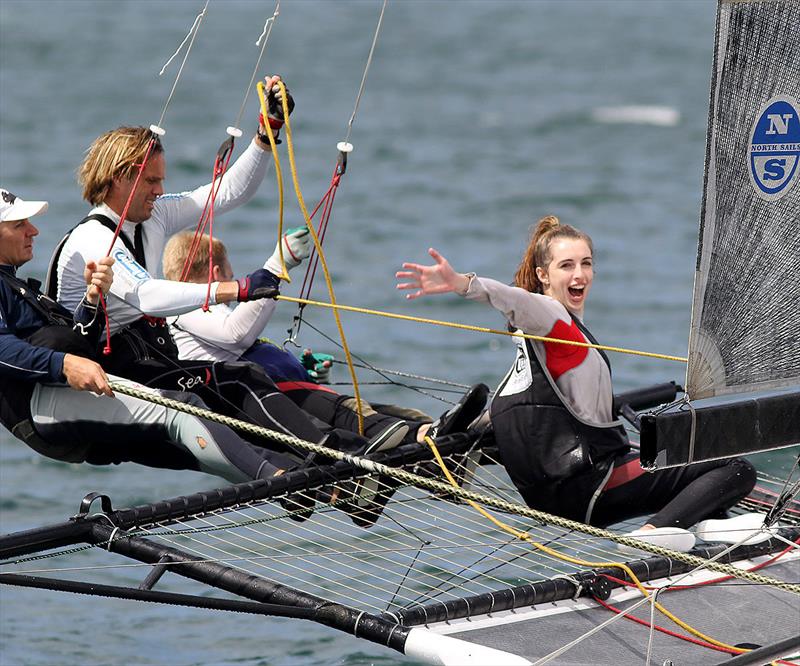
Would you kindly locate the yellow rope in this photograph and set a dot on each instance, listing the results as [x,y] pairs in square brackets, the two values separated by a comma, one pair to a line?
[260,87]
[318,246]
[524,536]
[479,329]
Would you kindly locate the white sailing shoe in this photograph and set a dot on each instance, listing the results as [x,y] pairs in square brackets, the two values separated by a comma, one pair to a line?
[673,538]
[735,530]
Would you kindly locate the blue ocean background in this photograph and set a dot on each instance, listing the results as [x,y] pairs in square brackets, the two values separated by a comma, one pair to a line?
[478,118]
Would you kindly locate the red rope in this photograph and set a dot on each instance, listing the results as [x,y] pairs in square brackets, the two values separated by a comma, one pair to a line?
[122,218]
[124,215]
[104,308]
[325,200]
[663,630]
[328,200]
[625,583]
[221,162]
[793,507]
[196,239]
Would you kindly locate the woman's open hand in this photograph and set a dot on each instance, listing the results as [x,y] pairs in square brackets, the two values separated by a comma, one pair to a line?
[439,278]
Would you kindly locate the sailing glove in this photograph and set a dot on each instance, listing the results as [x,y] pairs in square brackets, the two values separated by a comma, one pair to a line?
[259,284]
[275,106]
[318,366]
[296,247]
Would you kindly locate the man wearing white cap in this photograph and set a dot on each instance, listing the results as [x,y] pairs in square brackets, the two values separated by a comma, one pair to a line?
[45,353]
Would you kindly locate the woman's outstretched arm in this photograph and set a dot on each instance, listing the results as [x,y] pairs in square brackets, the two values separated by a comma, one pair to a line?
[440,278]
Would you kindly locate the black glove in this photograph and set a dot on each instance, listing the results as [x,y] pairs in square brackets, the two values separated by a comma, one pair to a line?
[259,284]
[275,106]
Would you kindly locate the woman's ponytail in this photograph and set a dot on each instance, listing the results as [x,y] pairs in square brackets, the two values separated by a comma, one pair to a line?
[538,251]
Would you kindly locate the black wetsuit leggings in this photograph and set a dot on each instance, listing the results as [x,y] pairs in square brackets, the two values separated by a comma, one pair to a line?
[677,496]
[335,410]
[243,391]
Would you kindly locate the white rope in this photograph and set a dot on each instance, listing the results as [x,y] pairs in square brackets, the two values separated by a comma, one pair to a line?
[111,538]
[652,629]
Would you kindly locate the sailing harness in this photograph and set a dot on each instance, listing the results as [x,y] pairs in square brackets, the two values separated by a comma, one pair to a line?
[57,332]
[558,461]
[147,337]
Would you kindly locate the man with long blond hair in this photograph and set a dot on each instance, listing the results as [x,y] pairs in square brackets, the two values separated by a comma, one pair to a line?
[142,348]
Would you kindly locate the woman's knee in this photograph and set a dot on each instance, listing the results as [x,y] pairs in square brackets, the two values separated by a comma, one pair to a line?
[745,473]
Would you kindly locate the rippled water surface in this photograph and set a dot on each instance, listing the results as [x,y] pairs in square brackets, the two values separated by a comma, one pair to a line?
[478,118]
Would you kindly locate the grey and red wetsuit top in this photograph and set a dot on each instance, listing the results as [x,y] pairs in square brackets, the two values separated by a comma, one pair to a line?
[552,413]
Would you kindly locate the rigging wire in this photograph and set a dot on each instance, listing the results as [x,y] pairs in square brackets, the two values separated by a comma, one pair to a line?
[365,364]
[265,33]
[156,131]
[366,71]
[344,148]
[190,36]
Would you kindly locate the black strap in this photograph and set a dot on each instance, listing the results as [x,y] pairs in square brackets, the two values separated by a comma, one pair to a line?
[591,339]
[50,311]
[138,246]
[108,223]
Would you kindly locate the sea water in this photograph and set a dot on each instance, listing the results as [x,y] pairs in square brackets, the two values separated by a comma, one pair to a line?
[477,119]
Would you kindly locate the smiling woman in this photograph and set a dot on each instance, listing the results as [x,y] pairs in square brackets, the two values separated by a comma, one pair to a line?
[553,413]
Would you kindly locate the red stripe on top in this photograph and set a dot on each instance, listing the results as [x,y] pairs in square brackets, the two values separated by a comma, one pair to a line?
[624,473]
[560,358]
[294,386]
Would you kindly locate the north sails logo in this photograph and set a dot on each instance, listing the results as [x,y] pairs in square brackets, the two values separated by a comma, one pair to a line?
[8,197]
[775,148]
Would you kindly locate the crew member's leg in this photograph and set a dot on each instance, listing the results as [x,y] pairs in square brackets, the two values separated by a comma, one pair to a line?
[678,497]
[323,403]
[243,391]
[126,429]
[336,410]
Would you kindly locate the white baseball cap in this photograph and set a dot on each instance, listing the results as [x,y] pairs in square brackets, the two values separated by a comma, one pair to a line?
[14,208]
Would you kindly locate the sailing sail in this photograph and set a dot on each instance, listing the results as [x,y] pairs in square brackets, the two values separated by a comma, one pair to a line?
[745,331]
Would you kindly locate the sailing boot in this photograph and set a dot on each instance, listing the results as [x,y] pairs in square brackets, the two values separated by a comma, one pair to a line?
[459,418]
[367,497]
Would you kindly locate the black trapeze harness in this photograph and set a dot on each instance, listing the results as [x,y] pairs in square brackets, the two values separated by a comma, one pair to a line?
[147,337]
[56,333]
[556,460]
